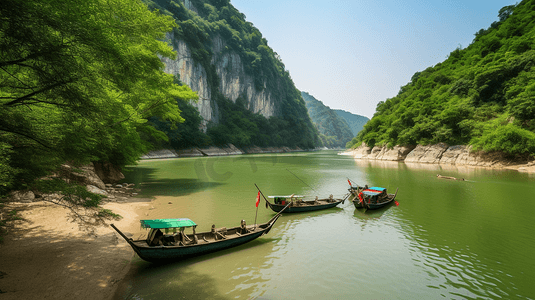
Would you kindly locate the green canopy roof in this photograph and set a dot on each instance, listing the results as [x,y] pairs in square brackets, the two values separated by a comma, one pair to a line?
[167,223]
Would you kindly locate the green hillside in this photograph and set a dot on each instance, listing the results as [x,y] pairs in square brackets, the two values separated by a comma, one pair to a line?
[334,130]
[356,122]
[290,126]
[483,95]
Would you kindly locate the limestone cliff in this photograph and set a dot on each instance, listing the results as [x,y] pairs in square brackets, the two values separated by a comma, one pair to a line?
[233,79]
[246,95]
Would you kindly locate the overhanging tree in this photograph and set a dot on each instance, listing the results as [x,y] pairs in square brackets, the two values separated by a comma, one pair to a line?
[78,81]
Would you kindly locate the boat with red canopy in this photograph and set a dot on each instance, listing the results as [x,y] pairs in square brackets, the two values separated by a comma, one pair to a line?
[374,198]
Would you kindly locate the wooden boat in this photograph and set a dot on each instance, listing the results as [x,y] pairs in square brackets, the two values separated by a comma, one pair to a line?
[374,198]
[297,204]
[449,177]
[355,191]
[170,245]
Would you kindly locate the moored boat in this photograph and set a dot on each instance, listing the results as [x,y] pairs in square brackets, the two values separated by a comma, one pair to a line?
[374,198]
[174,244]
[298,204]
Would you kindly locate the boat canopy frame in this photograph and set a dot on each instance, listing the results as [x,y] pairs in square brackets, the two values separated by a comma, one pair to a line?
[167,223]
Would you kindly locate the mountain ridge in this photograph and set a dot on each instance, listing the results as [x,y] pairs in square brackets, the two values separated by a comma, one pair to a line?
[356,122]
[335,131]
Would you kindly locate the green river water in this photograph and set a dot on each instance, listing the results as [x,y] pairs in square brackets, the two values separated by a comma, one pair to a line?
[447,239]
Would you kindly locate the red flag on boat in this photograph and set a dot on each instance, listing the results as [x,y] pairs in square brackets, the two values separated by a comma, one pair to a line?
[349,181]
[258,199]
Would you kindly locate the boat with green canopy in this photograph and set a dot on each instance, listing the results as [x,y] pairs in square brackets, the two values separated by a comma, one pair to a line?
[167,240]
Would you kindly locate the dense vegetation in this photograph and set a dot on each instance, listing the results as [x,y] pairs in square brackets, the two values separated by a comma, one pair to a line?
[290,127]
[78,82]
[243,128]
[334,130]
[483,95]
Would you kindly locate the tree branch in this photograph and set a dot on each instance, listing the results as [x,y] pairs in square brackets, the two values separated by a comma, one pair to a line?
[34,55]
[11,130]
[30,95]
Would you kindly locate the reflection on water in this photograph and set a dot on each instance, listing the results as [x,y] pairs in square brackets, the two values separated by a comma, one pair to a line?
[446,239]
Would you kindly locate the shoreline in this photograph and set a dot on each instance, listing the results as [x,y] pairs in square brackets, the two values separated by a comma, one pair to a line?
[46,254]
[442,155]
[221,151]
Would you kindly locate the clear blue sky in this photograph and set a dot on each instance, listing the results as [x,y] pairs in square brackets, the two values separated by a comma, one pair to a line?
[351,54]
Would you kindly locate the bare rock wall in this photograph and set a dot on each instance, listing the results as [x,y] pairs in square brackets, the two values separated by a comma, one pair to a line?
[433,154]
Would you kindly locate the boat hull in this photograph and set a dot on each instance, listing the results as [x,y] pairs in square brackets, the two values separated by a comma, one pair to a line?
[298,209]
[174,253]
[391,198]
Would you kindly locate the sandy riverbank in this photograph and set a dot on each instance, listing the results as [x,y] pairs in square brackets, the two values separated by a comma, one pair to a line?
[47,256]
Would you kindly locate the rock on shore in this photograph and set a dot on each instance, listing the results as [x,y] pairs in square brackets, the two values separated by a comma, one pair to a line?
[397,153]
[438,154]
[215,151]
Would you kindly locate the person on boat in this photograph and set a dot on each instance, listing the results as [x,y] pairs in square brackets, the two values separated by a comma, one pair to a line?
[157,239]
[243,227]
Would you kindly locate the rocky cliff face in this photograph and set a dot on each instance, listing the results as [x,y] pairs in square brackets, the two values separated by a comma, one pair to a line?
[193,75]
[241,82]
[398,153]
[432,154]
[233,80]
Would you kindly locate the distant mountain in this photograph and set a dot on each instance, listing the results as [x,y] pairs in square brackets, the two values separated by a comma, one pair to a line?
[334,130]
[356,122]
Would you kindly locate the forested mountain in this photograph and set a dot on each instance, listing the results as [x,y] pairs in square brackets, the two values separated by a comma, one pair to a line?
[356,122]
[246,94]
[483,95]
[334,130]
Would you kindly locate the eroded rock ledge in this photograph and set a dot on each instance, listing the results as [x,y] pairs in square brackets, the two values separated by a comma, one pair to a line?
[215,151]
[439,154]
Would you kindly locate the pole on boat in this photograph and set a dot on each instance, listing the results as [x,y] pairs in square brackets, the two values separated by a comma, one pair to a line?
[267,202]
[350,181]
[257,201]
[302,180]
